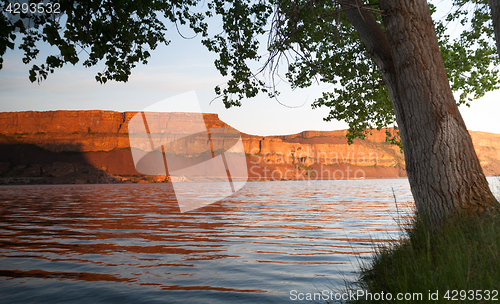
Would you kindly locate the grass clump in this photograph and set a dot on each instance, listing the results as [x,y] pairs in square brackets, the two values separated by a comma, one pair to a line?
[461,262]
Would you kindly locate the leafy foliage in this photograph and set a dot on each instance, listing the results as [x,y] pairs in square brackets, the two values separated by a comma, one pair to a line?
[118,32]
[326,47]
[471,59]
[243,21]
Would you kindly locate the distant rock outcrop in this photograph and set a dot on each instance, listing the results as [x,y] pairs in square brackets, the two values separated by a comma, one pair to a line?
[93,147]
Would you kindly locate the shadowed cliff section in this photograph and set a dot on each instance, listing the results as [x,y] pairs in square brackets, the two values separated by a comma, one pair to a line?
[28,164]
[94,147]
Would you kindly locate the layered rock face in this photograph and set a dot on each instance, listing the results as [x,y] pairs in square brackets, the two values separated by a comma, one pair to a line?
[94,147]
[82,131]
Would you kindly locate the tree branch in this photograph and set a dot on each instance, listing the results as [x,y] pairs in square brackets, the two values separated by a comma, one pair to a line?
[495,15]
[372,35]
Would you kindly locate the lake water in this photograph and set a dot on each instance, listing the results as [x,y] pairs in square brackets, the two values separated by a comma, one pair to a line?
[128,243]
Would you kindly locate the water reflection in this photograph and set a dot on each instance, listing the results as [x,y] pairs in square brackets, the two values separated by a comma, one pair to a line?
[130,242]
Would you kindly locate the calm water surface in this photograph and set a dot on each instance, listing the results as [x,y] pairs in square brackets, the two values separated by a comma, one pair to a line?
[129,243]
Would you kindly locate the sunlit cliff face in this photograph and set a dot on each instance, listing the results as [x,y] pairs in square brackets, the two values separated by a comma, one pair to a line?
[99,139]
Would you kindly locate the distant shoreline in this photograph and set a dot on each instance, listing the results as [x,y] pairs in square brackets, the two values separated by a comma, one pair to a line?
[90,147]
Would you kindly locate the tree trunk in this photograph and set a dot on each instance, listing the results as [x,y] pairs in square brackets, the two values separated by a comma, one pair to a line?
[495,15]
[445,176]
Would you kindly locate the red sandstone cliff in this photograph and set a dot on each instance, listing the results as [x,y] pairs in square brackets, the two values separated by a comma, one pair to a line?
[93,146]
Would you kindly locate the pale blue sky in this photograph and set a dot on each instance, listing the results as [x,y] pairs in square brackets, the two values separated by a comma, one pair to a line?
[185,65]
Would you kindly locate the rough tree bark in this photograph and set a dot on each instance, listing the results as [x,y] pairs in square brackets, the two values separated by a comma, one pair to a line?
[495,15]
[445,176]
